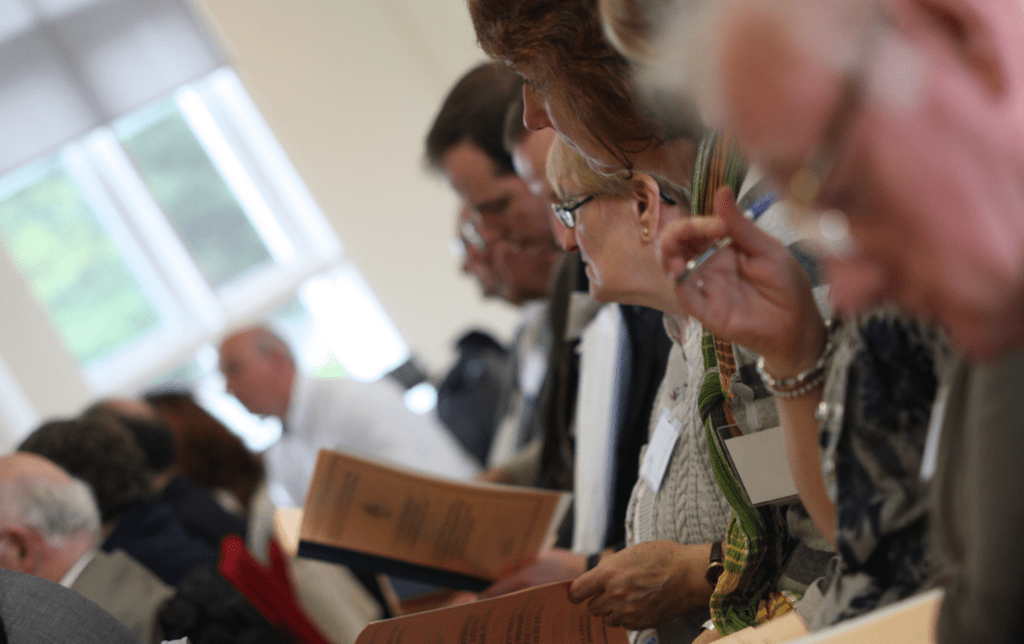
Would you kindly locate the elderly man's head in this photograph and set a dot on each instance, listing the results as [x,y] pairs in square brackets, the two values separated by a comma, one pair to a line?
[902,121]
[48,519]
[259,370]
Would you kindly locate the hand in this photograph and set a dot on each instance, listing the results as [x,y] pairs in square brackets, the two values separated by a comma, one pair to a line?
[752,292]
[555,564]
[646,584]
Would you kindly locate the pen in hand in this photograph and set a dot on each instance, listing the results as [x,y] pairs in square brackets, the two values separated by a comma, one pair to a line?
[756,210]
[699,260]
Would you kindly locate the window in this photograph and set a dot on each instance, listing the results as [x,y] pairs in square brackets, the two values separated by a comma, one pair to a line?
[72,264]
[196,199]
[148,206]
[147,238]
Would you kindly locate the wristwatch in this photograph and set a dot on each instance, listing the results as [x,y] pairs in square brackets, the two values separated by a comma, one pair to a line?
[715,565]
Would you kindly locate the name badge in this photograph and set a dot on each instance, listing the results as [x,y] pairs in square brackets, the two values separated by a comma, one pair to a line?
[659,450]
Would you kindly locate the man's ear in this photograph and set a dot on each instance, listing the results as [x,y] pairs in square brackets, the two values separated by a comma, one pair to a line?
[970,37]
[647,205]
[21,550]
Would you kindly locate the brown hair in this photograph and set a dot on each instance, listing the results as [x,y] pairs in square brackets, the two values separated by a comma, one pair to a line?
[474,111]
[208,452]
[562,43]
[101,452]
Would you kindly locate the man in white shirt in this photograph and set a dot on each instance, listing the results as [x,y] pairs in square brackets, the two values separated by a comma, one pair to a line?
[50,527]
[369,420]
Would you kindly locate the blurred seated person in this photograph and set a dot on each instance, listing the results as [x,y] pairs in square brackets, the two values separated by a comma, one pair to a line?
[101,452]
[192,505]
[50,527]
[209,453]
[365,419]
[471,396]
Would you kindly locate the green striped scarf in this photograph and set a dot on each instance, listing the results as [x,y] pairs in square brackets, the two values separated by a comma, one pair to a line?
[756,537]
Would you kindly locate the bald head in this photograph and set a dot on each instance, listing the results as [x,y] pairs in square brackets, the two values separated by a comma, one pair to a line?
[48,519]
[259,370]
[22,465]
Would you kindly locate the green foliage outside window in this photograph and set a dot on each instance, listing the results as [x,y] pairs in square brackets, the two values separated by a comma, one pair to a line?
[73,267]
[195,198]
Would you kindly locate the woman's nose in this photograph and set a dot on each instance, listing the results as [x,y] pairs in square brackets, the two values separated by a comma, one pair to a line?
[535,112]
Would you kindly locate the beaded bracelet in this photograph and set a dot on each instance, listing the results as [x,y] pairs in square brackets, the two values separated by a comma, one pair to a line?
[799,384]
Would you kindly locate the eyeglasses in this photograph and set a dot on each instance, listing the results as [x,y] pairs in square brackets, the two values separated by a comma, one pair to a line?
[567,214]
[469,235]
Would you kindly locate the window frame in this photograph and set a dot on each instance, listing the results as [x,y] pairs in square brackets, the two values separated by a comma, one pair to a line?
[192,312]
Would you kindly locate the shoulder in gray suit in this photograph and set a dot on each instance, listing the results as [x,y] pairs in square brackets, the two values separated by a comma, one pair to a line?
[42,612]
[50,526]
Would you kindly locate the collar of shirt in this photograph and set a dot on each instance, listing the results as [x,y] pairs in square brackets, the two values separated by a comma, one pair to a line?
[71,576]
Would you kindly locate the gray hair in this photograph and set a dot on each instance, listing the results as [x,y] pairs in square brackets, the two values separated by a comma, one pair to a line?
[266,342]
[58,510]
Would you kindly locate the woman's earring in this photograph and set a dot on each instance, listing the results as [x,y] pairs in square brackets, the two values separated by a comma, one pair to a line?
[644,231]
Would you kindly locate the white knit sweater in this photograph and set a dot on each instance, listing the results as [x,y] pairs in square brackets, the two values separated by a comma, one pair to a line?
[689,507]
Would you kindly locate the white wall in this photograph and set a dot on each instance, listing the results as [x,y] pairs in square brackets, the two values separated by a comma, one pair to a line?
[350,88]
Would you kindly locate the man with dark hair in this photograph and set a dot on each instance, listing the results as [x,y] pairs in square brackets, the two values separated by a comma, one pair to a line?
[465,143]
[193,506]
[102,453]
[474,110]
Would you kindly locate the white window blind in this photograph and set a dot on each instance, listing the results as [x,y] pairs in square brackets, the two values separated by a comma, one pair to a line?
[73,65]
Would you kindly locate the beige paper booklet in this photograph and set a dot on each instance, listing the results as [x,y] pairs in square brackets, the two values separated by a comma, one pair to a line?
[386,519]
[911,621]
[541,615]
